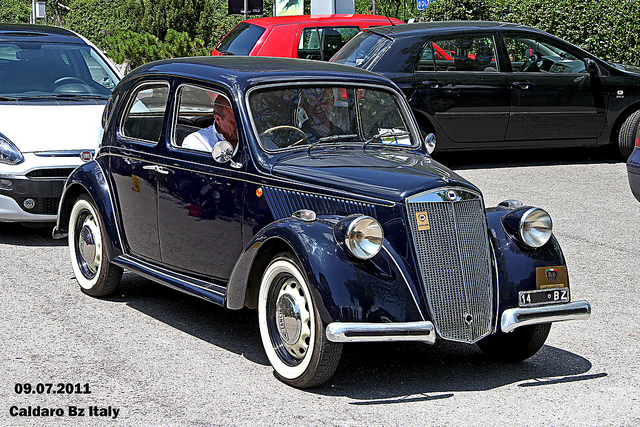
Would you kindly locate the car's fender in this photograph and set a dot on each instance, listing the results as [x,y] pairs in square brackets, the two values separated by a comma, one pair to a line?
[349,290]
[516,265]
[90,179]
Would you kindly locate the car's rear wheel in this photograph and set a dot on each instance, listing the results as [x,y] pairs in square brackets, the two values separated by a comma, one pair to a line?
[292,332]
[87,246]
[627,134]
[517,345]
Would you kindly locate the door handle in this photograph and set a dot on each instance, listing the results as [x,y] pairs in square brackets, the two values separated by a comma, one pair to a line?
[522,85]
[433,84]
[159,169]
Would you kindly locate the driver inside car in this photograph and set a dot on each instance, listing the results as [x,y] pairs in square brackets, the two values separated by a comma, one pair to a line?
[222,129]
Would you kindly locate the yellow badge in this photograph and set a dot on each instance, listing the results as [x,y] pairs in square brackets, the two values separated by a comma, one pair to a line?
[135,183]
[423,221]
[551,277]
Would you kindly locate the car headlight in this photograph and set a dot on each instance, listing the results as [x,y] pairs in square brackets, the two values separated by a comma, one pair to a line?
[531,226]
[360,236]
[9,153]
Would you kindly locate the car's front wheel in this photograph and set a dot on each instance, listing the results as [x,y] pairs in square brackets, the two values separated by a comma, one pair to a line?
[95,274]
[627,134]
[517,345]
[292,332]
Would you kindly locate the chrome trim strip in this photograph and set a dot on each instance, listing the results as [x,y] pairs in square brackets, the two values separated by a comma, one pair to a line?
[378,332]
[523,316]
[63,153]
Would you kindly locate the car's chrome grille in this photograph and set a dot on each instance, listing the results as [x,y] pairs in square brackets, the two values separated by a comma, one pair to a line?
[453,256]
[285,202]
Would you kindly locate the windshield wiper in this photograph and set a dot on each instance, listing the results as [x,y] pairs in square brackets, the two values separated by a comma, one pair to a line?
[226,52]
[380,136]
[332,138]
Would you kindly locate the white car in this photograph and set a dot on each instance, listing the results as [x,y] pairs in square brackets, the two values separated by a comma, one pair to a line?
[54,85]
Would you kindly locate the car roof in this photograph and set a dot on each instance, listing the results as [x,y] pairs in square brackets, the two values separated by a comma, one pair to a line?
[271,21]
[439,26]
[38,33]
[244,71]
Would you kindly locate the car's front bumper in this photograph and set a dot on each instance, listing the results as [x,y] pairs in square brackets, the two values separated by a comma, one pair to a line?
[425,332]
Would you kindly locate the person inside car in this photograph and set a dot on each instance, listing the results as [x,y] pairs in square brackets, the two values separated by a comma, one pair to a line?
[222,129]
[314,113]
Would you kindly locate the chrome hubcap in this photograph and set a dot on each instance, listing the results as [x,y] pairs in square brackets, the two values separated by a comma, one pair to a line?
[89,247]
[293,319]
[87,244]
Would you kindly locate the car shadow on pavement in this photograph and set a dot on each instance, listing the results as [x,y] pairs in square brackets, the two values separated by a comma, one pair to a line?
[28,235]
[369,373]
[528,157]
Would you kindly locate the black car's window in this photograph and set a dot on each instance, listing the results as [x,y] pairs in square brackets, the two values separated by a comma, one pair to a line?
[36,69]
[528,54]
[195,125]
[145,115]
[468,53]
[322,43]
[362,49]
[240,40]
[292,117]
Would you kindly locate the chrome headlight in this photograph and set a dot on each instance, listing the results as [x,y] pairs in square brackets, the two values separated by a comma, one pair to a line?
[530,226]
[9,153]
[360,236]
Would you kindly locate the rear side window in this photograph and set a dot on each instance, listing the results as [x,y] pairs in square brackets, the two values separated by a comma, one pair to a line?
[321,43]
[240,40]
[469,53]
[145,115]
[362,49]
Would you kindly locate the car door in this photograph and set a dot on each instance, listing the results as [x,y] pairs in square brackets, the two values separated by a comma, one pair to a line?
[200,201]
[461,86]
[134,167]
[553,98]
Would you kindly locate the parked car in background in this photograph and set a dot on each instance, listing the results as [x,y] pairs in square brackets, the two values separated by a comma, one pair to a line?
[480,85]
[324,212]
[633,167]
[54,85]
[308,37]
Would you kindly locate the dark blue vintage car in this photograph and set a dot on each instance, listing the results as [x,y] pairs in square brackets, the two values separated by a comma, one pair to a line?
[633,167]
[318,205]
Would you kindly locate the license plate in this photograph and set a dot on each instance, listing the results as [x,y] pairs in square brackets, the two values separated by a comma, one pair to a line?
[544,296]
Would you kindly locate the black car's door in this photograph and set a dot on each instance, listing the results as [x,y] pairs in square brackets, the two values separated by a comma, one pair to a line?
[553,98]
[134,167]
[461,86]
[200,201]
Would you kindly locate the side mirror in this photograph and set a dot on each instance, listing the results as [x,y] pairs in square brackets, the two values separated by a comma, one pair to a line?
[430,143]
[223,152]
[592,67]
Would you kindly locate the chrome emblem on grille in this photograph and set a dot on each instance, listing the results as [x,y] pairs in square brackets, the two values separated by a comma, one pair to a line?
[452,195]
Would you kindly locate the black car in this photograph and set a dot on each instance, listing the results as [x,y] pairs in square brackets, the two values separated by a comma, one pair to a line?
[320,208]
[480,85]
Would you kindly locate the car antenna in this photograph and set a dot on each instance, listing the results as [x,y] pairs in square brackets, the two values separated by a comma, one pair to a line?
[390,21]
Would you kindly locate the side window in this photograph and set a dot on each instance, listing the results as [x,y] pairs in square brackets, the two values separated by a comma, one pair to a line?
[426,62]
[145,115]
[469,53]
[321,43]
[203,118]
[531,55]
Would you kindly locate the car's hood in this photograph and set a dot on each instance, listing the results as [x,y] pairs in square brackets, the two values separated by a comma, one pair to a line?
[386,174]
[51,127]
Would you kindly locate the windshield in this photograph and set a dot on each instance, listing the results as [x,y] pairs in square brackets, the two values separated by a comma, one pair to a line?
[29,69]
[240,40]
[291,117]
[361,49]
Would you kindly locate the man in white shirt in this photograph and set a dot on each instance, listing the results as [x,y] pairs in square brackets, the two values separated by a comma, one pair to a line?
[222,129]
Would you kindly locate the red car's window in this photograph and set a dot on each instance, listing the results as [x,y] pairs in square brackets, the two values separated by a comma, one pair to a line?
[240,40]
[470,53]
[322,43]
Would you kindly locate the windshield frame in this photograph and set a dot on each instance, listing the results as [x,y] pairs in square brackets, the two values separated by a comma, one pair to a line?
[407,115]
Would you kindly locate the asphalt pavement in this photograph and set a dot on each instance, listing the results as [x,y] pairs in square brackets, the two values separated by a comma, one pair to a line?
[152,356]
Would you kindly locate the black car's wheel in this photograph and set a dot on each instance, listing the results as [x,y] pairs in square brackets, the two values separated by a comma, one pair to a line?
[95,274]
[517,345]
[627,134]
[292,332]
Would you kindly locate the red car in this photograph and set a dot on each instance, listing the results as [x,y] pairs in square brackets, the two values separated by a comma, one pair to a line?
[302,36]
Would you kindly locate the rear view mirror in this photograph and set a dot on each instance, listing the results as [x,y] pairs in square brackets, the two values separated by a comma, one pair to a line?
[592,67]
